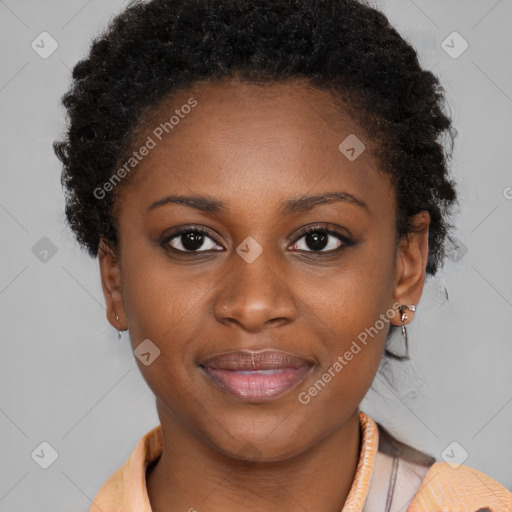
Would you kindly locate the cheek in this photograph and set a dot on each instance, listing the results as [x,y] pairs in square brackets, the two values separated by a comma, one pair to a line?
[156,311]
[165,305]
[157,296]
[355,294]
[354,328]
[353,309]
[372,275]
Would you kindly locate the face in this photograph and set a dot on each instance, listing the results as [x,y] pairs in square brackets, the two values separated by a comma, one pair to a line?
[259,288]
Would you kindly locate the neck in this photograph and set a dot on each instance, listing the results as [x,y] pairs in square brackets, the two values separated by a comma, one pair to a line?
[191,476]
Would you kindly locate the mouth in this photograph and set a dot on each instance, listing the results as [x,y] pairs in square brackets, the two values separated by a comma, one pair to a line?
[256,376]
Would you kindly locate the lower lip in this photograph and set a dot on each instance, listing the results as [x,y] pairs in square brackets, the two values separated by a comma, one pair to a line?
[257,386]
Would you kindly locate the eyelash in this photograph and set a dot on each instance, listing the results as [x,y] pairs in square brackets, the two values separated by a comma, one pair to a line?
[346,242]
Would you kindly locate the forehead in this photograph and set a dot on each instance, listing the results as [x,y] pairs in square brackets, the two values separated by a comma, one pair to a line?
[248,139]
[258,106]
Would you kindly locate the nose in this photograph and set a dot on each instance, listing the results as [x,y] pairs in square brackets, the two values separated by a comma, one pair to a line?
[254,295]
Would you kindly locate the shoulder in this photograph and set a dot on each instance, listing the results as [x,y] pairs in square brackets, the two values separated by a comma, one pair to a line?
[461,489]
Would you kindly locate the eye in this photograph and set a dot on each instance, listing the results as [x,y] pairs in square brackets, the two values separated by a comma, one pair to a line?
[321,239]
[190,240]
[317,239]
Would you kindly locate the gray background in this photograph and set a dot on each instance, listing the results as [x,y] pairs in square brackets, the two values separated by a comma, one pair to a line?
[64,377]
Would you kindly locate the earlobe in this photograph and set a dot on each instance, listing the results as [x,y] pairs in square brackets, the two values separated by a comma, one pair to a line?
[111,284]
[411,263]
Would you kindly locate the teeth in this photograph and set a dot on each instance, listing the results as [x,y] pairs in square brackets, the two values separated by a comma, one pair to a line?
[261,372]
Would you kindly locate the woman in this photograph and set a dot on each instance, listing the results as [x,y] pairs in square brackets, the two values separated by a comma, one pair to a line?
[263,186]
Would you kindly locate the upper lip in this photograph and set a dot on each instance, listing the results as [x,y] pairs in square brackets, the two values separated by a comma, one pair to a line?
[255,360]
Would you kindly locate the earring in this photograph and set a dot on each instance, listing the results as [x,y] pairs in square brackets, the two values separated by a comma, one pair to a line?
[403,316]
[118,331]
[412,307]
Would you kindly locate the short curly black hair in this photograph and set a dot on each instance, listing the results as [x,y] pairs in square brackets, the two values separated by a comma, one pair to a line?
[158,47]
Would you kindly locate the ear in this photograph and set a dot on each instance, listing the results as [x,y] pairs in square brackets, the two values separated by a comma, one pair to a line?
[111,283]
[411,264]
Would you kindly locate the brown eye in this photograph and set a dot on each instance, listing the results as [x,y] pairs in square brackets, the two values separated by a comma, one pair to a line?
[320,239]
[191,240]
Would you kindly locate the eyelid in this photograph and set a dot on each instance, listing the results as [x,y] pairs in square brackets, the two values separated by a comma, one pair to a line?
[322,227]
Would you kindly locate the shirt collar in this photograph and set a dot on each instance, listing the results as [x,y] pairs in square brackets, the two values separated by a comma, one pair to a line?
[126,489]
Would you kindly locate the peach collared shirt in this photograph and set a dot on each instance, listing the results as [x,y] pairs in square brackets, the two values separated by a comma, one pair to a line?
[440,488]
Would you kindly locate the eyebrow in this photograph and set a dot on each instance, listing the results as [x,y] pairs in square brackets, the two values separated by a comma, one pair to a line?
[295,205]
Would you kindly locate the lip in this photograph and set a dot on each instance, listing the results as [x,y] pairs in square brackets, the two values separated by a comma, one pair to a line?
[256,376]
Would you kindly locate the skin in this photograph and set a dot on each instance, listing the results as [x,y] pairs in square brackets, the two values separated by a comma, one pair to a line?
[253,148]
